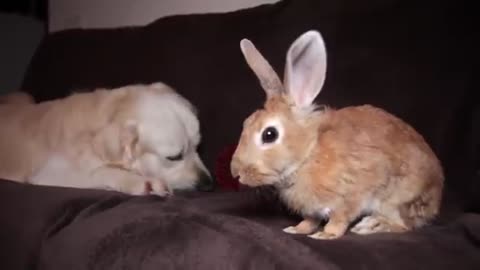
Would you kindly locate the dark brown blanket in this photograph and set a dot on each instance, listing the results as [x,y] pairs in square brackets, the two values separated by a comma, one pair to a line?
[57,228]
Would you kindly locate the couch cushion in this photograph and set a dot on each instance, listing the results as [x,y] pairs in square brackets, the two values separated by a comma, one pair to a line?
[64,228]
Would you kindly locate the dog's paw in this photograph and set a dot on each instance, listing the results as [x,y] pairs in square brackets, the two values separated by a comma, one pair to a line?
[138,188]
[159,188]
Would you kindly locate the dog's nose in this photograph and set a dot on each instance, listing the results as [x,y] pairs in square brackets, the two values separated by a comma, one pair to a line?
[205,182]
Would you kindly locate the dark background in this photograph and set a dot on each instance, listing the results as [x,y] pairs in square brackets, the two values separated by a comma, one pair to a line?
[22,26]
[37,9]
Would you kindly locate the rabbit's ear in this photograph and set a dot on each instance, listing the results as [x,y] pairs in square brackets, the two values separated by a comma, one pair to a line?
[305,68]
[267,76]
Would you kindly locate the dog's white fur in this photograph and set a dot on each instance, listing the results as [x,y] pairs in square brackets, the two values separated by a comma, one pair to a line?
[118,139]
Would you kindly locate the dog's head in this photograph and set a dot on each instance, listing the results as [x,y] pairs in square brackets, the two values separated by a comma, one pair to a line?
[159,134]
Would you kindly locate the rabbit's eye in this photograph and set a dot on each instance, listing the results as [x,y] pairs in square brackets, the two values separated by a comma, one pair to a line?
[269,135]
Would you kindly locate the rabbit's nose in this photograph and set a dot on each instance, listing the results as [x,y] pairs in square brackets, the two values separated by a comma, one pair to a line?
[235,168]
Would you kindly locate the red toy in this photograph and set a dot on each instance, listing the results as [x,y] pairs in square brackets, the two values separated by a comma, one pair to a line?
[222,169]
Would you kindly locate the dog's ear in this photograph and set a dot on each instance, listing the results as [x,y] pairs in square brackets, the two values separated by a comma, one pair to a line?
[128,140]
[114,143]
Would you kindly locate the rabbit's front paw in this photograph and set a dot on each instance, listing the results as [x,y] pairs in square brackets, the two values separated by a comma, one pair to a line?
[291,230]
[323,235]
[335,228]
[307,226]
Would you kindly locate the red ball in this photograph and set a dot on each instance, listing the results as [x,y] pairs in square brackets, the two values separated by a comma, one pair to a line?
[223,175]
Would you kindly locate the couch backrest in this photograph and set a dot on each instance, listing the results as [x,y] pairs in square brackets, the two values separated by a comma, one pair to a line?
[413,58]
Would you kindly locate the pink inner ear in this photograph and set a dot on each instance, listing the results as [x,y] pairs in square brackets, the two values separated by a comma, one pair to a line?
[306,68]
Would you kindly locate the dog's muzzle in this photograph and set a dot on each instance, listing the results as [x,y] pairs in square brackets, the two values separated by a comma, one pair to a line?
[205,182]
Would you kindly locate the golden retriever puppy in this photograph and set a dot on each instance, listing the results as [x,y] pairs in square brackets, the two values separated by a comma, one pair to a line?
[137,139]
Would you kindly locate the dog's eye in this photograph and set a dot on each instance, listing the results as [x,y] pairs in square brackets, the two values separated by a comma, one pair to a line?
[269,135]
[177,157]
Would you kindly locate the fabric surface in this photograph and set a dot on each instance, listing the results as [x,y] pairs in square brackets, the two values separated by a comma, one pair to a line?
[412,58]
[60,228]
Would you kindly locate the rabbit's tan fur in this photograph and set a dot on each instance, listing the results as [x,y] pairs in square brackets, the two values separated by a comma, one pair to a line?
[339,164]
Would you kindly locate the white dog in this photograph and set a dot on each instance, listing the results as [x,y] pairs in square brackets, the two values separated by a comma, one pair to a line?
[136,139]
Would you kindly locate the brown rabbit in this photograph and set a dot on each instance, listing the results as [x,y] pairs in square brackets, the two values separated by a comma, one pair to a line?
[336,164]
